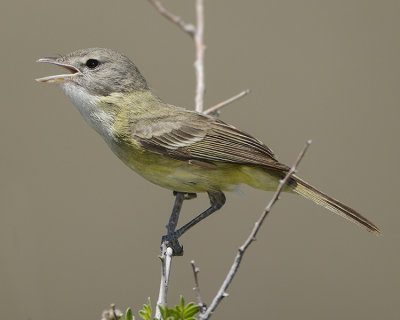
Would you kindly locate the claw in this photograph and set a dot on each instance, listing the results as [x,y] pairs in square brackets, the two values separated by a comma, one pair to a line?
[171,241]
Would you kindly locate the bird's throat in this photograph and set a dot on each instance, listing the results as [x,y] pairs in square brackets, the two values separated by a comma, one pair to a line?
[99,117]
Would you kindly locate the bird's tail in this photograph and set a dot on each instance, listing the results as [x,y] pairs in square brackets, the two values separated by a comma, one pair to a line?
[304,189]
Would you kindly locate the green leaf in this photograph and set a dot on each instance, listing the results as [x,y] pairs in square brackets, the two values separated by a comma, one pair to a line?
[190,310]
[142,314]
[175,314]
[146,311]
[129,315]
[164,312]
[149,306]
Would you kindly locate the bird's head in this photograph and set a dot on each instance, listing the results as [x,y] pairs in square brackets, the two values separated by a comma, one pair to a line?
[99,71]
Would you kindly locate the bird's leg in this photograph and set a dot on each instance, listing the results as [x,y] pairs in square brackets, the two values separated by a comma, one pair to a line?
[176,210]
[217,200]
[173,221]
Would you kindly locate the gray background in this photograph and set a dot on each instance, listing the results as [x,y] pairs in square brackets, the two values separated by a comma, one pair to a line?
[79,230]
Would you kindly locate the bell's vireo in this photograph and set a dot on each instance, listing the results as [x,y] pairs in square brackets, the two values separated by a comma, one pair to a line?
[173,147]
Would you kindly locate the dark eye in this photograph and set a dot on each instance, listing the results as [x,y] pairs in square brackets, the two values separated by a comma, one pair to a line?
[92,63]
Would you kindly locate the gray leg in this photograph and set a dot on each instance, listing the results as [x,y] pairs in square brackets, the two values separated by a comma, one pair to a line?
[217,200]
[176,210]
[173,221]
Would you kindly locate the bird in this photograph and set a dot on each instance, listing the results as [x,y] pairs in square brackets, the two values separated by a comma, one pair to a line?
[173,147]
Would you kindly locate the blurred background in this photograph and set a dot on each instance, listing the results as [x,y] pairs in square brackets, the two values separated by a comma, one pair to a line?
[79,230]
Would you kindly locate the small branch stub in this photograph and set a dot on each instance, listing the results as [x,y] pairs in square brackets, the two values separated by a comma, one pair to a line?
[186,27]
[222,104]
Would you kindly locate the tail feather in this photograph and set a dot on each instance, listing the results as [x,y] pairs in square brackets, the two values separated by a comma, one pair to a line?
[304,189]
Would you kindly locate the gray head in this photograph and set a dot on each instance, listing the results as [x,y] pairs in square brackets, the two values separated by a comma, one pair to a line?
[100,71]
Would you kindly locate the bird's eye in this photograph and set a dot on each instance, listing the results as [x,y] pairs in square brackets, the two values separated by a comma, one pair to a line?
[92,63]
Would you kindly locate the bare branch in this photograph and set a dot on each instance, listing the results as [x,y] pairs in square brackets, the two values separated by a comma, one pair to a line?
[186,27]
[166,260]
[226,102]
[197,287]
[199,63]
[252,236]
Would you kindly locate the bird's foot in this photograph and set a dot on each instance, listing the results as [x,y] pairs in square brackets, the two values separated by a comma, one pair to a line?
[171,241]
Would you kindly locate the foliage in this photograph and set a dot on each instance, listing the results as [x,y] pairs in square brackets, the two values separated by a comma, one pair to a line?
[180,312]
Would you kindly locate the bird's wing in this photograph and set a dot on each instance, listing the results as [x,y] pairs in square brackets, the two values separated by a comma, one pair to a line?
[203,140]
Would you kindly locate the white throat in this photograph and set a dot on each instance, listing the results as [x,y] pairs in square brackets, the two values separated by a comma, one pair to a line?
[87,104]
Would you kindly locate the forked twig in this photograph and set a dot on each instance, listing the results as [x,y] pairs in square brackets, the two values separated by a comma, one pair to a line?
[197,33]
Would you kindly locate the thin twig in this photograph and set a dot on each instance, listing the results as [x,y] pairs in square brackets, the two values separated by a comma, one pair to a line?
[197,287]
[186,27]
[199,63]
[252,236]
[167,251]
[226,102]
[166,260]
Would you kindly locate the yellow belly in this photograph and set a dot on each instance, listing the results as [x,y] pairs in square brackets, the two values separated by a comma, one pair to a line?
[184,177]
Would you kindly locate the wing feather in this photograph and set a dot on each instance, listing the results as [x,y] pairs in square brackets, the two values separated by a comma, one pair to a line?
[197,139]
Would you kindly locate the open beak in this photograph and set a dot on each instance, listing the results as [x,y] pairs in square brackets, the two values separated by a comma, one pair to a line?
[61,77]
